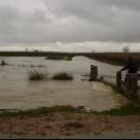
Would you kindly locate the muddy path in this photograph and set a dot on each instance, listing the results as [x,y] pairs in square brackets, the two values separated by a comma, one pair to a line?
[60,124]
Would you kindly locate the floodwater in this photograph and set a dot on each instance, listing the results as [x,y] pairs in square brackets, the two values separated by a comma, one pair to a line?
[17,92]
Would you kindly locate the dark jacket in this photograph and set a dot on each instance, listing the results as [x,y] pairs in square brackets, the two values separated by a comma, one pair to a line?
[132,67]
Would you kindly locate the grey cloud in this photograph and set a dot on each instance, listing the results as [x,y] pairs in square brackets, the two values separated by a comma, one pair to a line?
[107,20]
[72,21]
[122,4]
[16,26]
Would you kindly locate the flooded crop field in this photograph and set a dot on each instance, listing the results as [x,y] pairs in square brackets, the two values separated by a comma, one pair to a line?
[18,92]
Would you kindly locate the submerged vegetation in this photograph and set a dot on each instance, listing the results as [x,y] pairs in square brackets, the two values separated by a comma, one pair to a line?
[3,63]
[62,76]
[36,75]
[59,57]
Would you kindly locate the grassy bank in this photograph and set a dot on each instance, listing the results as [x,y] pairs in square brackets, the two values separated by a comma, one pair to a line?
[38,111]
[114,58]
[132,109]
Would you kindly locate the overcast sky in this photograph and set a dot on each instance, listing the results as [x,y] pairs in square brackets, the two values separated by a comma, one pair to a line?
[69,21]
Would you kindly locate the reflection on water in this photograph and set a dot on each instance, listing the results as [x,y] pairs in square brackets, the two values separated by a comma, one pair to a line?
[16,91]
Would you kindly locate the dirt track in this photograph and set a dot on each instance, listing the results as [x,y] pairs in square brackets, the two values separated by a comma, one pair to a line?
[67,124]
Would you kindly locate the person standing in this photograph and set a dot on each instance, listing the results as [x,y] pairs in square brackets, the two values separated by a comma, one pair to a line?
[132,67]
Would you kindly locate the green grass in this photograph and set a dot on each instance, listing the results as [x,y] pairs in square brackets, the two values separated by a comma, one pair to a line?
[38,111]
[131,109]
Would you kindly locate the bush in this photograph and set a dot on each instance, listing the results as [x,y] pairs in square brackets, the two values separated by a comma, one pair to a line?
[3,63]
[59,57]
[62,76]
[35,75]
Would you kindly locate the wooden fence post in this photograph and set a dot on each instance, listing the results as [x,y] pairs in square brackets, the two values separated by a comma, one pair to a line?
[132,85]
[135,85]
[118,80]
[96,71]
[93,72]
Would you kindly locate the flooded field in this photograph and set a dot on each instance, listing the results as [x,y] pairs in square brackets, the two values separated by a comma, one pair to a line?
[17,92]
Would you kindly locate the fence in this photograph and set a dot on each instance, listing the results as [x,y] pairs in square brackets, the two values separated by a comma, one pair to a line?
[129,86]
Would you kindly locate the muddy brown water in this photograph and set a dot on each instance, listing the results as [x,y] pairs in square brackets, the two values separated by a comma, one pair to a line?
[17,92]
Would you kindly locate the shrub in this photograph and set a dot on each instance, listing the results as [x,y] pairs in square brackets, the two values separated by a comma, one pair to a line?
[62,76]
[3,63]
[59,57]
[35,75]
